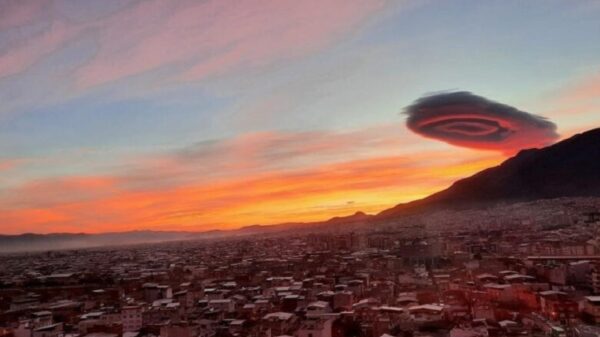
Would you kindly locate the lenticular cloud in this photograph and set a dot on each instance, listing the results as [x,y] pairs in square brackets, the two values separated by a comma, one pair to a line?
[467,120]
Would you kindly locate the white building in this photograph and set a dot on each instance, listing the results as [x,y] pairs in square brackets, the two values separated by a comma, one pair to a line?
[131,317]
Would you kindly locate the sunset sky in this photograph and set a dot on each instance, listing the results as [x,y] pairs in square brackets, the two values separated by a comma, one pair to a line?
[119,115]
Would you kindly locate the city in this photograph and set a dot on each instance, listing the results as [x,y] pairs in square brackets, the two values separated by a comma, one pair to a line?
[535,273]
[299,168]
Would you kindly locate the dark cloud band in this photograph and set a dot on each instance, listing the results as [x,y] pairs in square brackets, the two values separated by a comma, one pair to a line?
[464,119]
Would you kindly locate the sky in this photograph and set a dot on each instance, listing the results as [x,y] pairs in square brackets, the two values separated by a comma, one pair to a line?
[123,115]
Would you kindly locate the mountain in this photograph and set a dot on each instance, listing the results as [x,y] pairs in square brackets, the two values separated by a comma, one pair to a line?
[569,168]
[358,218]
[30,242]
[56,241]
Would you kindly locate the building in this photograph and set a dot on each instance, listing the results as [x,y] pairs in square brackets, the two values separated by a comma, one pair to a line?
[226,305]
[558,306]
[427,313]
[591,308]
[131,318]
[315,327]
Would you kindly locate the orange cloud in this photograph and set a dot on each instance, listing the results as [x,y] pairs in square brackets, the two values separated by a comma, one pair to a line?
[578,102]
[584,90]
[8,164]
[275,178]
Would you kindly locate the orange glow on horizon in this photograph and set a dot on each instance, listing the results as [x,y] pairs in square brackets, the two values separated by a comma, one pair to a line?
[103,204]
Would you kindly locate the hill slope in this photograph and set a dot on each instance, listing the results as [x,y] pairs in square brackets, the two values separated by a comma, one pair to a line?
[566,169]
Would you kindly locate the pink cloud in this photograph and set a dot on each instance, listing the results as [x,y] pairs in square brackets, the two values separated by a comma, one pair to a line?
[20,57]
[199,39]
[467,120]
[257,153]
[586,89]
[9,164]
[18,13]
[294,29]
[577,103]
[214,37]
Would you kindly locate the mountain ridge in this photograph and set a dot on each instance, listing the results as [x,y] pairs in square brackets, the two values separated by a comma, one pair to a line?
[531,174]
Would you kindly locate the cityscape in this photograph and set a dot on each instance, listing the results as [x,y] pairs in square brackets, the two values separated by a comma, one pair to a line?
[299,168]
[533,272]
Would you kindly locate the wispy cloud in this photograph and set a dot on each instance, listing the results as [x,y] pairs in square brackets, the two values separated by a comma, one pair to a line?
[582,95]
[9,164]
[16,13]
[257,178]
[575,104]
[25,53]
[196,38]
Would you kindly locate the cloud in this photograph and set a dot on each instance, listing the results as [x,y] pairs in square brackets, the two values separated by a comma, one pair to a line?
[259,153]
[96,204]
[202,39]
[16,13]
[587,89]
[8,164]
[467,120]
[52,52]
[31,50]
[580,98]
[254,178]
[194,39]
